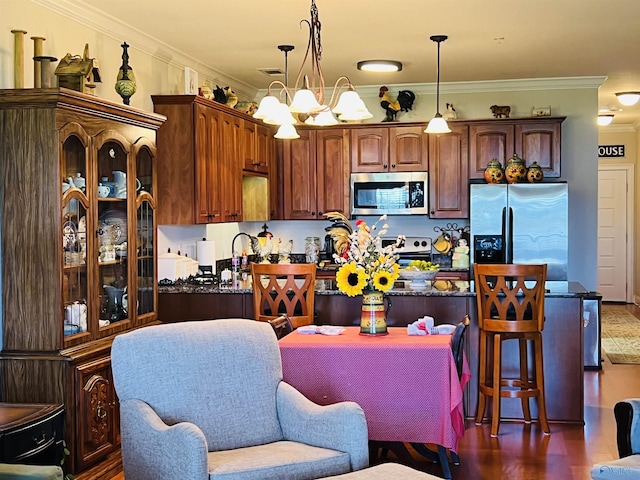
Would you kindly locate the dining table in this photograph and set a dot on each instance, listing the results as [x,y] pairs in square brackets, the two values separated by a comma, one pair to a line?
[407,385]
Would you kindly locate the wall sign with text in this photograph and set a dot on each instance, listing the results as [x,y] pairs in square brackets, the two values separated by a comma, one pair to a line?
[610,151]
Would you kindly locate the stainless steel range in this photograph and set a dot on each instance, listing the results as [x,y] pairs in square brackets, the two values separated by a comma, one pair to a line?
[415,248]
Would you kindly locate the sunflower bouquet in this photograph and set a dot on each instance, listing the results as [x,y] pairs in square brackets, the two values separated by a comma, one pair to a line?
[365,264]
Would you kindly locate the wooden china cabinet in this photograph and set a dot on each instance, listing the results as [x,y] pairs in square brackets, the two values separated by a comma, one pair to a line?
[78,254]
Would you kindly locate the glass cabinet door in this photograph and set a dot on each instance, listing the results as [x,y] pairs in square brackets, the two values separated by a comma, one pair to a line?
[75,245]
[111,187]
[145,222]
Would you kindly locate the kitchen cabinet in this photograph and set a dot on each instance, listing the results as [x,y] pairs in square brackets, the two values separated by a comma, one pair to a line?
[389,149]
[315,172]
[534,139]
[230,164]
[79,259]
[203,149]
[449,173]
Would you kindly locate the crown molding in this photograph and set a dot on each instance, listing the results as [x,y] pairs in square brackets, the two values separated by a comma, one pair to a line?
[111,27]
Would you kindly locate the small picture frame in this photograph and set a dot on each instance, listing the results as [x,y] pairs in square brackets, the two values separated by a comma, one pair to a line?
[541,111]
[190,81]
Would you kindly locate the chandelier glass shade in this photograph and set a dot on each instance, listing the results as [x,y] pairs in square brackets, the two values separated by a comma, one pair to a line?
[437,123]
[308,99]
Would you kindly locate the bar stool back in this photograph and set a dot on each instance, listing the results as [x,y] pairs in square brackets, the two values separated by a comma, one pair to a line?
[510,306]
[284,289]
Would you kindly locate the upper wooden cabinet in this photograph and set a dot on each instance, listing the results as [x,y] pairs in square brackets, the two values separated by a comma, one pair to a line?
[389,149]
[315,172]
[449,173]
[536,139]
[203,150]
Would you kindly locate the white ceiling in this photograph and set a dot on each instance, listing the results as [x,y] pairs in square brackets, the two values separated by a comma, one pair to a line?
[488,39]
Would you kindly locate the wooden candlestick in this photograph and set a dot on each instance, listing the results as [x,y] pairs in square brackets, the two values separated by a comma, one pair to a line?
[45,62]
[37,52]
[18,58]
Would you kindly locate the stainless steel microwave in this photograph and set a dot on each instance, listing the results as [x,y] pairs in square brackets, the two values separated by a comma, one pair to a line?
[397,193]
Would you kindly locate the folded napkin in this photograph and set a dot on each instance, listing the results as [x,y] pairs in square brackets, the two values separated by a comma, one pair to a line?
[424,326]
[321,329]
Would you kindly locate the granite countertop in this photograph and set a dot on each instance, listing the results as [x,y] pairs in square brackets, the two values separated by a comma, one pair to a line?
[442,288]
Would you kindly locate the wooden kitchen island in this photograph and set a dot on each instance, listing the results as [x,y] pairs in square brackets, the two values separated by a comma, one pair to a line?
[562,336]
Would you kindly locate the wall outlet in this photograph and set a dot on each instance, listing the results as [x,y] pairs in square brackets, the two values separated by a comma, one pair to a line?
[541,112]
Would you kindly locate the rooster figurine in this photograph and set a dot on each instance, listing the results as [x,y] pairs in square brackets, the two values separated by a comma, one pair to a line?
[262,250]
[403,103]
[340,230]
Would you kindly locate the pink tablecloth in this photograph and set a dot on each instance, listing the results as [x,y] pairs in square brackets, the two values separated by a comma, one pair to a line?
[408,386]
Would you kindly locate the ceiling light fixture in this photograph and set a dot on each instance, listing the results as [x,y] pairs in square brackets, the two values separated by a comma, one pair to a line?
[382,66]
[604,120]
[308,99]
[628,98]
[437,123]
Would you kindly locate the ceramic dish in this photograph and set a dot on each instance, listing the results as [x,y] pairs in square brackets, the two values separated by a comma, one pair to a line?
[118,221]
[418,275]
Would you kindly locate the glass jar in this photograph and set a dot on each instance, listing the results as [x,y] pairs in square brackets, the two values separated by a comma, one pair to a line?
[312,249]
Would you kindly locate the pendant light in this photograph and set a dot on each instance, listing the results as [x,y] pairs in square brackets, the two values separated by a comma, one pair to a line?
[437,123]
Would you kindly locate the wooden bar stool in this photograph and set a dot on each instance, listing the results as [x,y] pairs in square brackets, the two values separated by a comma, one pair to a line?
[284,289]
[510,306]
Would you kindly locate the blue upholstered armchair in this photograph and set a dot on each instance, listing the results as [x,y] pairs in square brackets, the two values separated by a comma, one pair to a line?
[627,414]
[205,400]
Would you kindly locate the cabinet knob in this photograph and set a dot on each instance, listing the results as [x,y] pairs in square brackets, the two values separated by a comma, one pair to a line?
[313,213]
[432,212]
[393,165]
[385,166]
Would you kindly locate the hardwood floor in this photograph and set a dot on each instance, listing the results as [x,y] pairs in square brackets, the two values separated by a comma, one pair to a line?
[522,452]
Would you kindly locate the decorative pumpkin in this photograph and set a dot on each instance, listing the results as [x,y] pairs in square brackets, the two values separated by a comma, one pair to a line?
[535,173]
[494,172]
[516,170]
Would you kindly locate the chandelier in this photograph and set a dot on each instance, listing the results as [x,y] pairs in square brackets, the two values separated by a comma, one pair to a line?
[308,100]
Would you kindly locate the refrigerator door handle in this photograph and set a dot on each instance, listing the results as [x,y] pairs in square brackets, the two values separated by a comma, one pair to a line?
[507,234]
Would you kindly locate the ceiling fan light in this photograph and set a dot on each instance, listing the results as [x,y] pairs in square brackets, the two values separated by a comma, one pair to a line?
[628,98]
[266,108]
[604,120]
[381,66]
[437,125]
[287,132]
[304,101]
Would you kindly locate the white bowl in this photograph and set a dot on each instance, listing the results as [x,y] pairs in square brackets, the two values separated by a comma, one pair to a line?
[418,275]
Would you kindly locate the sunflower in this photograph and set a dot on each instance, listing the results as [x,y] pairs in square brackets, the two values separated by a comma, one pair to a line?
[351,279]
[383,280]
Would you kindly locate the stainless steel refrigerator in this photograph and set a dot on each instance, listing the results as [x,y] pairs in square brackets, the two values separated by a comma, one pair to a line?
[521,223]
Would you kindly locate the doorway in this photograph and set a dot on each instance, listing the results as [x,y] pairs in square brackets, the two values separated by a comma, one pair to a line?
[615,232]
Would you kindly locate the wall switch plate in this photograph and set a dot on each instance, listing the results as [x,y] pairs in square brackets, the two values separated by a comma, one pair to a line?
[541,112]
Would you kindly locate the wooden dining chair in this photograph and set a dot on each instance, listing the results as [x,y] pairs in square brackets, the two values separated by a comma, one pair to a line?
[510,302]
[284,289]
[457,350]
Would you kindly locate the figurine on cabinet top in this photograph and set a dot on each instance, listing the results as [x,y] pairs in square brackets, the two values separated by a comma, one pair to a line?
[450,112]
[78,73]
